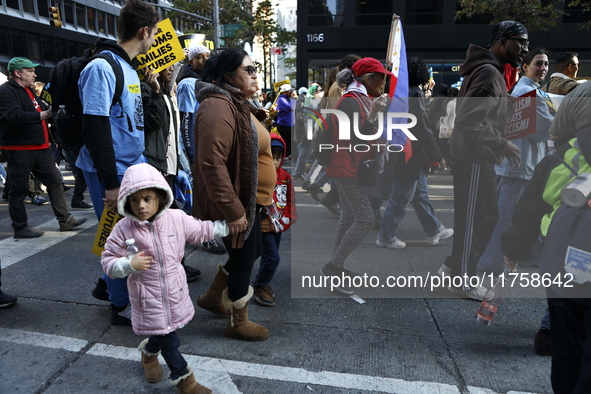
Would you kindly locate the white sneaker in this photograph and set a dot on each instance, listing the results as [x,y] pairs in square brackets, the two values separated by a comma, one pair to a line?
[444,269]
[445,234]
[475,293]
[395,243]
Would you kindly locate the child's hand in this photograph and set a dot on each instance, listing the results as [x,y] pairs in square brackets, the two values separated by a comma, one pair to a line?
[141,262]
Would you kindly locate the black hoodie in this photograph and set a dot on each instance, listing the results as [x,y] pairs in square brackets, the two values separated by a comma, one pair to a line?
[481,110]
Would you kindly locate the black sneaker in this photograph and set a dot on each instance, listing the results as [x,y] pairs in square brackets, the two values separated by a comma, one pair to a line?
[81,205]
[344,287]
[28,232]
[214,247]
[117,319]
[39,200]
[71,223]
[100,291]
[6,300]
[192,273]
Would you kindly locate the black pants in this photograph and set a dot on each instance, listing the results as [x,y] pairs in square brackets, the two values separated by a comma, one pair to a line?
[169,346]
[41,164]
[285,132]
[571,344]
[79,181]
[241,261]
[475,215]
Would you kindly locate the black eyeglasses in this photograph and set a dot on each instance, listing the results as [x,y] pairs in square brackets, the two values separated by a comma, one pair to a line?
[249,69]
[522,41]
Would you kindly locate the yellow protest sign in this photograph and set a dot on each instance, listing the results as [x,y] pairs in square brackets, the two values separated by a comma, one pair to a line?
[188,40]
[109,219]
[165,51]
[277,85]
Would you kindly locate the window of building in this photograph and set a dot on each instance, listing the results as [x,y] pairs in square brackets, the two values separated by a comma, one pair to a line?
[423,12]
[101,21]
[91,16]
[34,47]
[69,13]
[29,6]
[4,43]
[111,24]
[374,12]
[476,19]
[60,49]
[325,12]
[576,14]
[72,48]
[48,51]
[19,44]
[80,16]
[12,4]
[43,8]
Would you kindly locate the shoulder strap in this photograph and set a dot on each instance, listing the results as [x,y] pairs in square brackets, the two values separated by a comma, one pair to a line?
[575,173]
[119,81]
[118,77]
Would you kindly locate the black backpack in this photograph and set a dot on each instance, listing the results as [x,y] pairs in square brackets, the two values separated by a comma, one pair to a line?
[63,90]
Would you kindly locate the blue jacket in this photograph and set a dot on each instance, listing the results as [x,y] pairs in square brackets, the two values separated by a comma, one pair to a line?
[533,147]
[285,111]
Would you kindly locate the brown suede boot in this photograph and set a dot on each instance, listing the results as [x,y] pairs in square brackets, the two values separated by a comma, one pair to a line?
[238,325]
[152,368]
[212,299]
[186,384]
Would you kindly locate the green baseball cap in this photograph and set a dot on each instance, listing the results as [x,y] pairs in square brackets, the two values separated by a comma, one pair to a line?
[16,63]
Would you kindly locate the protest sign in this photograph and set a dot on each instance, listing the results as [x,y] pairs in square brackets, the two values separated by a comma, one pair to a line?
[109,219]
[521,120]
[165,51]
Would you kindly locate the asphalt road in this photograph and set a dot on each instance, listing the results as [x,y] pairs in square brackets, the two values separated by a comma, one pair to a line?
[58,339]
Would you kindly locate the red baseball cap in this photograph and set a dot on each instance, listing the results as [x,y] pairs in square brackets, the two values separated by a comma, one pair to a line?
[369,65]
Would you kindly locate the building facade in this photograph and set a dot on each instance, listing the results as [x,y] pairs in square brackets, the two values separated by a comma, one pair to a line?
[25,28]
[330,29]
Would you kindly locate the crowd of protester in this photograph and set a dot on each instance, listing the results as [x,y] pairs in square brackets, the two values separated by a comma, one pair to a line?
[214,131]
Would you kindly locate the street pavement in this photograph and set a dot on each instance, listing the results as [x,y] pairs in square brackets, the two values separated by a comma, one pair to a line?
[57,338]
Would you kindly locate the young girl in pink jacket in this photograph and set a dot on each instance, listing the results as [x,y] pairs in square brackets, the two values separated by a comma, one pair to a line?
[157,283]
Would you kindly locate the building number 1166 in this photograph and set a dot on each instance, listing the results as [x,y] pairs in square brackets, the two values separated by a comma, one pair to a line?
[316,37]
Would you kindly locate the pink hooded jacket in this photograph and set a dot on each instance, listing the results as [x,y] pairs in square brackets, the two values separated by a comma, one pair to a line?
[160,301]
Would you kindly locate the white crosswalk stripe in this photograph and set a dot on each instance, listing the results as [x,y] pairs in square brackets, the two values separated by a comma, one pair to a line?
[216,373]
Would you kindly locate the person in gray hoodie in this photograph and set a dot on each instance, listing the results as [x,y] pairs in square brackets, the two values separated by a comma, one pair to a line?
[477,144]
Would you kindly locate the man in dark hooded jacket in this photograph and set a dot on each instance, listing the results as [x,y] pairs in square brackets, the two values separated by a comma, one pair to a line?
[477,144]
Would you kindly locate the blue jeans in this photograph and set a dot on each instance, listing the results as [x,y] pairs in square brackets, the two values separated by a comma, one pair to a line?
[269,259]
[403,193]
[305,150]
[509,191]
[169,344]
[117,288]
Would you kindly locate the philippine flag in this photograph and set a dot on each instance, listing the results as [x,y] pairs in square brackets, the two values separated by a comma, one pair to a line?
[396,62]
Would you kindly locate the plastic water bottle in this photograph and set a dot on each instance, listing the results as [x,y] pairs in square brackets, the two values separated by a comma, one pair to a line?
[490,303]
[132,248]
[62,112]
